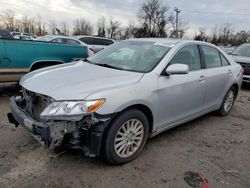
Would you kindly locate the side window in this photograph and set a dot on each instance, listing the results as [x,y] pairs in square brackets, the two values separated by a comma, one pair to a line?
[86,40]
[188,55]
[224,61]
[57,40]
[107,42]
[96,41]
[211,57]
[71,41]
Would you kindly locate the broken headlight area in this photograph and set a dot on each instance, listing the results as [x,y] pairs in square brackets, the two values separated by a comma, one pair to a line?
[68,124]
[67,110]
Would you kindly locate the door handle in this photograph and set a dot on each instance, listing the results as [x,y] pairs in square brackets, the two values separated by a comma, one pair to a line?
[230,71]
[202,78]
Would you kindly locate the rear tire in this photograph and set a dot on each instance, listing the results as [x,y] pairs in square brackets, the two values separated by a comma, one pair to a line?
[228,102]
[125,137]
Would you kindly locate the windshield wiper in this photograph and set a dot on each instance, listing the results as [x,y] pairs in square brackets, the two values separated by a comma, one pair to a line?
[108,66]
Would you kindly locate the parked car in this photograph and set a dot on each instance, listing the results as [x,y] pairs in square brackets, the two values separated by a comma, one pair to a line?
[18,57]
[242,56]
[4,34]
[65,40]
[23,37]
[95,43]
[228,50]
[25,34]
[113,102]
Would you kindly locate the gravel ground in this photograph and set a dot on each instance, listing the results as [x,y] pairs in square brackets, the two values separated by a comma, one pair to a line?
[217,147]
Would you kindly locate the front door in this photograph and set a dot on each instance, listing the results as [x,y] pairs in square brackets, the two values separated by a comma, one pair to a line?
[182,96]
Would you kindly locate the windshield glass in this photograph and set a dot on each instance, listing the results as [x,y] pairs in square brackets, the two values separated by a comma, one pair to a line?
[138,56]
[243,50]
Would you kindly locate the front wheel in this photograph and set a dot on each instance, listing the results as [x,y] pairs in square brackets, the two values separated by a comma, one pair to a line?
[126,137]
[228,102]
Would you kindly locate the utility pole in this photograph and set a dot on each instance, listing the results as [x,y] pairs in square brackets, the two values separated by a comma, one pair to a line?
[176,21]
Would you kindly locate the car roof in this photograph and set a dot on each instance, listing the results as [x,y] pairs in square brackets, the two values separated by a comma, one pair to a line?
[59,36]
[171,41]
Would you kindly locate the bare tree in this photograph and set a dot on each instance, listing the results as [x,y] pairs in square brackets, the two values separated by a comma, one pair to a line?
[179,28]
[131,30]
[64,28]
[8,19]
[39,25]
[82,27]
[113,28]
[201,35]
[27,25]
[154,17]
[101,27]
[53,27]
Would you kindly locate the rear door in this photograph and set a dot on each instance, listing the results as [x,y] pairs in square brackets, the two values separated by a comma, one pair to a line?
[217,74]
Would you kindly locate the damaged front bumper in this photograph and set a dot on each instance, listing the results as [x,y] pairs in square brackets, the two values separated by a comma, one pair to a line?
[85,134]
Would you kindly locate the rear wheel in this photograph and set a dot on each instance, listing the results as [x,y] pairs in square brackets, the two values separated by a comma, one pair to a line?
[228,102]
[126,137]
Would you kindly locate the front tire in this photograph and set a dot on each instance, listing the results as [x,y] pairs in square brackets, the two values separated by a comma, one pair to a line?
[228,102]
[125,137]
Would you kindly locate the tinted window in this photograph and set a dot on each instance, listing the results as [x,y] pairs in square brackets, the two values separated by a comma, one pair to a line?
[211,57]
[87,40]
[107,42]
[96,41]
[224,61]
[188,55]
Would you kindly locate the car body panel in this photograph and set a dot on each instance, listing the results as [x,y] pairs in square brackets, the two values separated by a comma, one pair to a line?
[75,81]
[17,55]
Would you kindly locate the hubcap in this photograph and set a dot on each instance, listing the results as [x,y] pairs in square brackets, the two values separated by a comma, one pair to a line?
[228,103]
[129,138]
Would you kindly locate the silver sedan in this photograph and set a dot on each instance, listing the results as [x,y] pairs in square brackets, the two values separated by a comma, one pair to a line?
[112,102]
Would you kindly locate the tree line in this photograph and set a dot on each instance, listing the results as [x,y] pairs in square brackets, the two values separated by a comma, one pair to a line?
[154,19]
[223,35]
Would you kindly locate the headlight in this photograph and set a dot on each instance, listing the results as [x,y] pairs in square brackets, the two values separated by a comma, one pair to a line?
[66,109]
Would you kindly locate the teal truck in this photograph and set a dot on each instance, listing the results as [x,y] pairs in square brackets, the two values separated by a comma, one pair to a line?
[18,57]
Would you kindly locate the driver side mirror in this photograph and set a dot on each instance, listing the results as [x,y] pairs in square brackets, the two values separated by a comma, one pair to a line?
[177,69]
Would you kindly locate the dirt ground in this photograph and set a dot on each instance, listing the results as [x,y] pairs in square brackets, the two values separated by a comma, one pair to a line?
[217,147]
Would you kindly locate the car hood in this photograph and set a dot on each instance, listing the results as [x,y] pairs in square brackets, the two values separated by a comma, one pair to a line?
[76,81]
[241,59]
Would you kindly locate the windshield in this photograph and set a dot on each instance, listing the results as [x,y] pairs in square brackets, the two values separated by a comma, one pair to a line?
[138,56]
[243,50]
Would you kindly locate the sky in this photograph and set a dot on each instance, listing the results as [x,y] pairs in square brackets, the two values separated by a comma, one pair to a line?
[196,13]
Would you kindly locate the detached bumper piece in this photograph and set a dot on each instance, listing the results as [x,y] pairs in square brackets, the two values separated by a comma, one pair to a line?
[38,130]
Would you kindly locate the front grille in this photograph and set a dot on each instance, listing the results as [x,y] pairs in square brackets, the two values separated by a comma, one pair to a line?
[246,67]
[35,103]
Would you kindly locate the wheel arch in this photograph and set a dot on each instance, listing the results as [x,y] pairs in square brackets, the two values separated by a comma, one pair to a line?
[143,108]
[236,87]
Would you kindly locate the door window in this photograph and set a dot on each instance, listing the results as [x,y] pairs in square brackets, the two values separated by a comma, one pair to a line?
[211,57]
[188,55]
[224,61]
